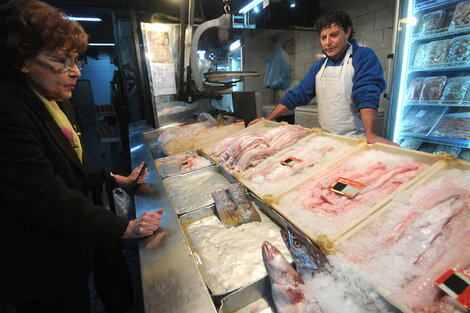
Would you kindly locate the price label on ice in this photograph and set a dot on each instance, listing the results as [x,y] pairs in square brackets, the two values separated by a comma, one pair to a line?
[186,164]
[456,285]
[346,187]
[291,161]
[237,152]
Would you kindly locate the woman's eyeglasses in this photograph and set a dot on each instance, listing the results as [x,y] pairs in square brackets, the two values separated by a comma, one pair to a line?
[68,61]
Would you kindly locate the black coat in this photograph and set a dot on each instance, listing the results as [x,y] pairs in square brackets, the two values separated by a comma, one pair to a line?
[48,227]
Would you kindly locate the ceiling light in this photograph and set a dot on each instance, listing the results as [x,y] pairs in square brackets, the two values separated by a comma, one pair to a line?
[256,9]
[292,3]
[84,19]
[249,6]
[94,44]
[201,54]
[235,45]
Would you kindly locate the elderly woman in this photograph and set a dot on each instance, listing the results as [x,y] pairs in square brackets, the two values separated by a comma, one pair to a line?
[48,227]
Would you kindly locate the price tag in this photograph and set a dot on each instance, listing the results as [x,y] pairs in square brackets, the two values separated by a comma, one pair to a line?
[185,165]
[456,285]
[237,152]
[346,187]
[291,161]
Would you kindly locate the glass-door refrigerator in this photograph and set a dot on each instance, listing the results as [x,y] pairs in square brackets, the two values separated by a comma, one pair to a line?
[430,94]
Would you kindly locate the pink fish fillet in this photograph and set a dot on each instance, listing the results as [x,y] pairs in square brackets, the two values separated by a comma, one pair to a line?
[449,250]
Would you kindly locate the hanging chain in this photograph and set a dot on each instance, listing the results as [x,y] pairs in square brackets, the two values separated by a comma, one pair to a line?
[226,6]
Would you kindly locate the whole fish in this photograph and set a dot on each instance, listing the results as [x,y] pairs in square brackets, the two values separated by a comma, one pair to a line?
[307,256]
[337,288]
[289,292]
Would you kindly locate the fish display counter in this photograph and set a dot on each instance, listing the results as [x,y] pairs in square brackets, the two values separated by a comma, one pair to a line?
[171,281]
[199,262]
[188,265]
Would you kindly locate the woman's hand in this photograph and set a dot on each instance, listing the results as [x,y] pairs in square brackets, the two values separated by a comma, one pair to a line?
[134,178]
[144,225]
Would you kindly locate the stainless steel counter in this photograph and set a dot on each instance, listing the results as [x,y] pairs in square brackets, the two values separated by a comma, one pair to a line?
[171,281]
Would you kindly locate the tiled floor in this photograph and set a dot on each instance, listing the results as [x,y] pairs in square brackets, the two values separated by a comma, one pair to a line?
[108,155]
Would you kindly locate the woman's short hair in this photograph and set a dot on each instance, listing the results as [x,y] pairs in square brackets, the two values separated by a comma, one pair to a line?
[337,17]
[30,26]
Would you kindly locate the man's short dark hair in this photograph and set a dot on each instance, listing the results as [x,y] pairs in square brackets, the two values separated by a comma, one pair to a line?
[337,17]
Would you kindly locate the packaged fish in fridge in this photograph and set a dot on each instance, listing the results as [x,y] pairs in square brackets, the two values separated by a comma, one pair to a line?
[465,154]
[420,119]
[410,143]
[459,51]
[413,92]
[420,57]
[456,126]
[448,149]
[430,21]
[455,88]
[427,147]
[433,88]
[437,53]
[461,17]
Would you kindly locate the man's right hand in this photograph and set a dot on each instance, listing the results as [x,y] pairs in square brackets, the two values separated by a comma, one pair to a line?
[254,121]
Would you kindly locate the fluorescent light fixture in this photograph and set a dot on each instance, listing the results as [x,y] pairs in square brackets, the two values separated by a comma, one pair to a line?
[256,9]
[94,44]
[249,6]
[235,45]
[404,63]
[156,27]
[200,54]
[84,19]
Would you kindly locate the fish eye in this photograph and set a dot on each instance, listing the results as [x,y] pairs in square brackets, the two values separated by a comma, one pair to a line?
[297,243]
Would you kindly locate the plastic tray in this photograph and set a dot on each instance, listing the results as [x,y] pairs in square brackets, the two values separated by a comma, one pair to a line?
[278,185]
[171,166]
[182,138]
[326,238]
[447,162]
[263,126]
[193,191]
[269,230]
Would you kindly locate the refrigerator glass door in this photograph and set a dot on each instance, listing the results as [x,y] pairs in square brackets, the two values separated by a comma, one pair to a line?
[430,100]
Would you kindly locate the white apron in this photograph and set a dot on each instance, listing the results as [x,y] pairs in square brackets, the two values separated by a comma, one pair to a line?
[337,112]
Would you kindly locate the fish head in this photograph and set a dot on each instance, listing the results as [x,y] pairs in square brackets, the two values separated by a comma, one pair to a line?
[278,268]
[307,256]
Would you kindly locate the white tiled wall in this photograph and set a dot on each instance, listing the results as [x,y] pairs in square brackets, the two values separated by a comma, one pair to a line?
[373,25]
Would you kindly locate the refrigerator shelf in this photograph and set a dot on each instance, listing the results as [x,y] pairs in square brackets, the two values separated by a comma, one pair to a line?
[440,33]
[446,103]
[438,68]
[460,143]
[433,4]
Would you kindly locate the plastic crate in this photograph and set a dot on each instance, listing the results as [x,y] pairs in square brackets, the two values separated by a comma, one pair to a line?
[263,126]
[262,187]
[333,228]
[375,225]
